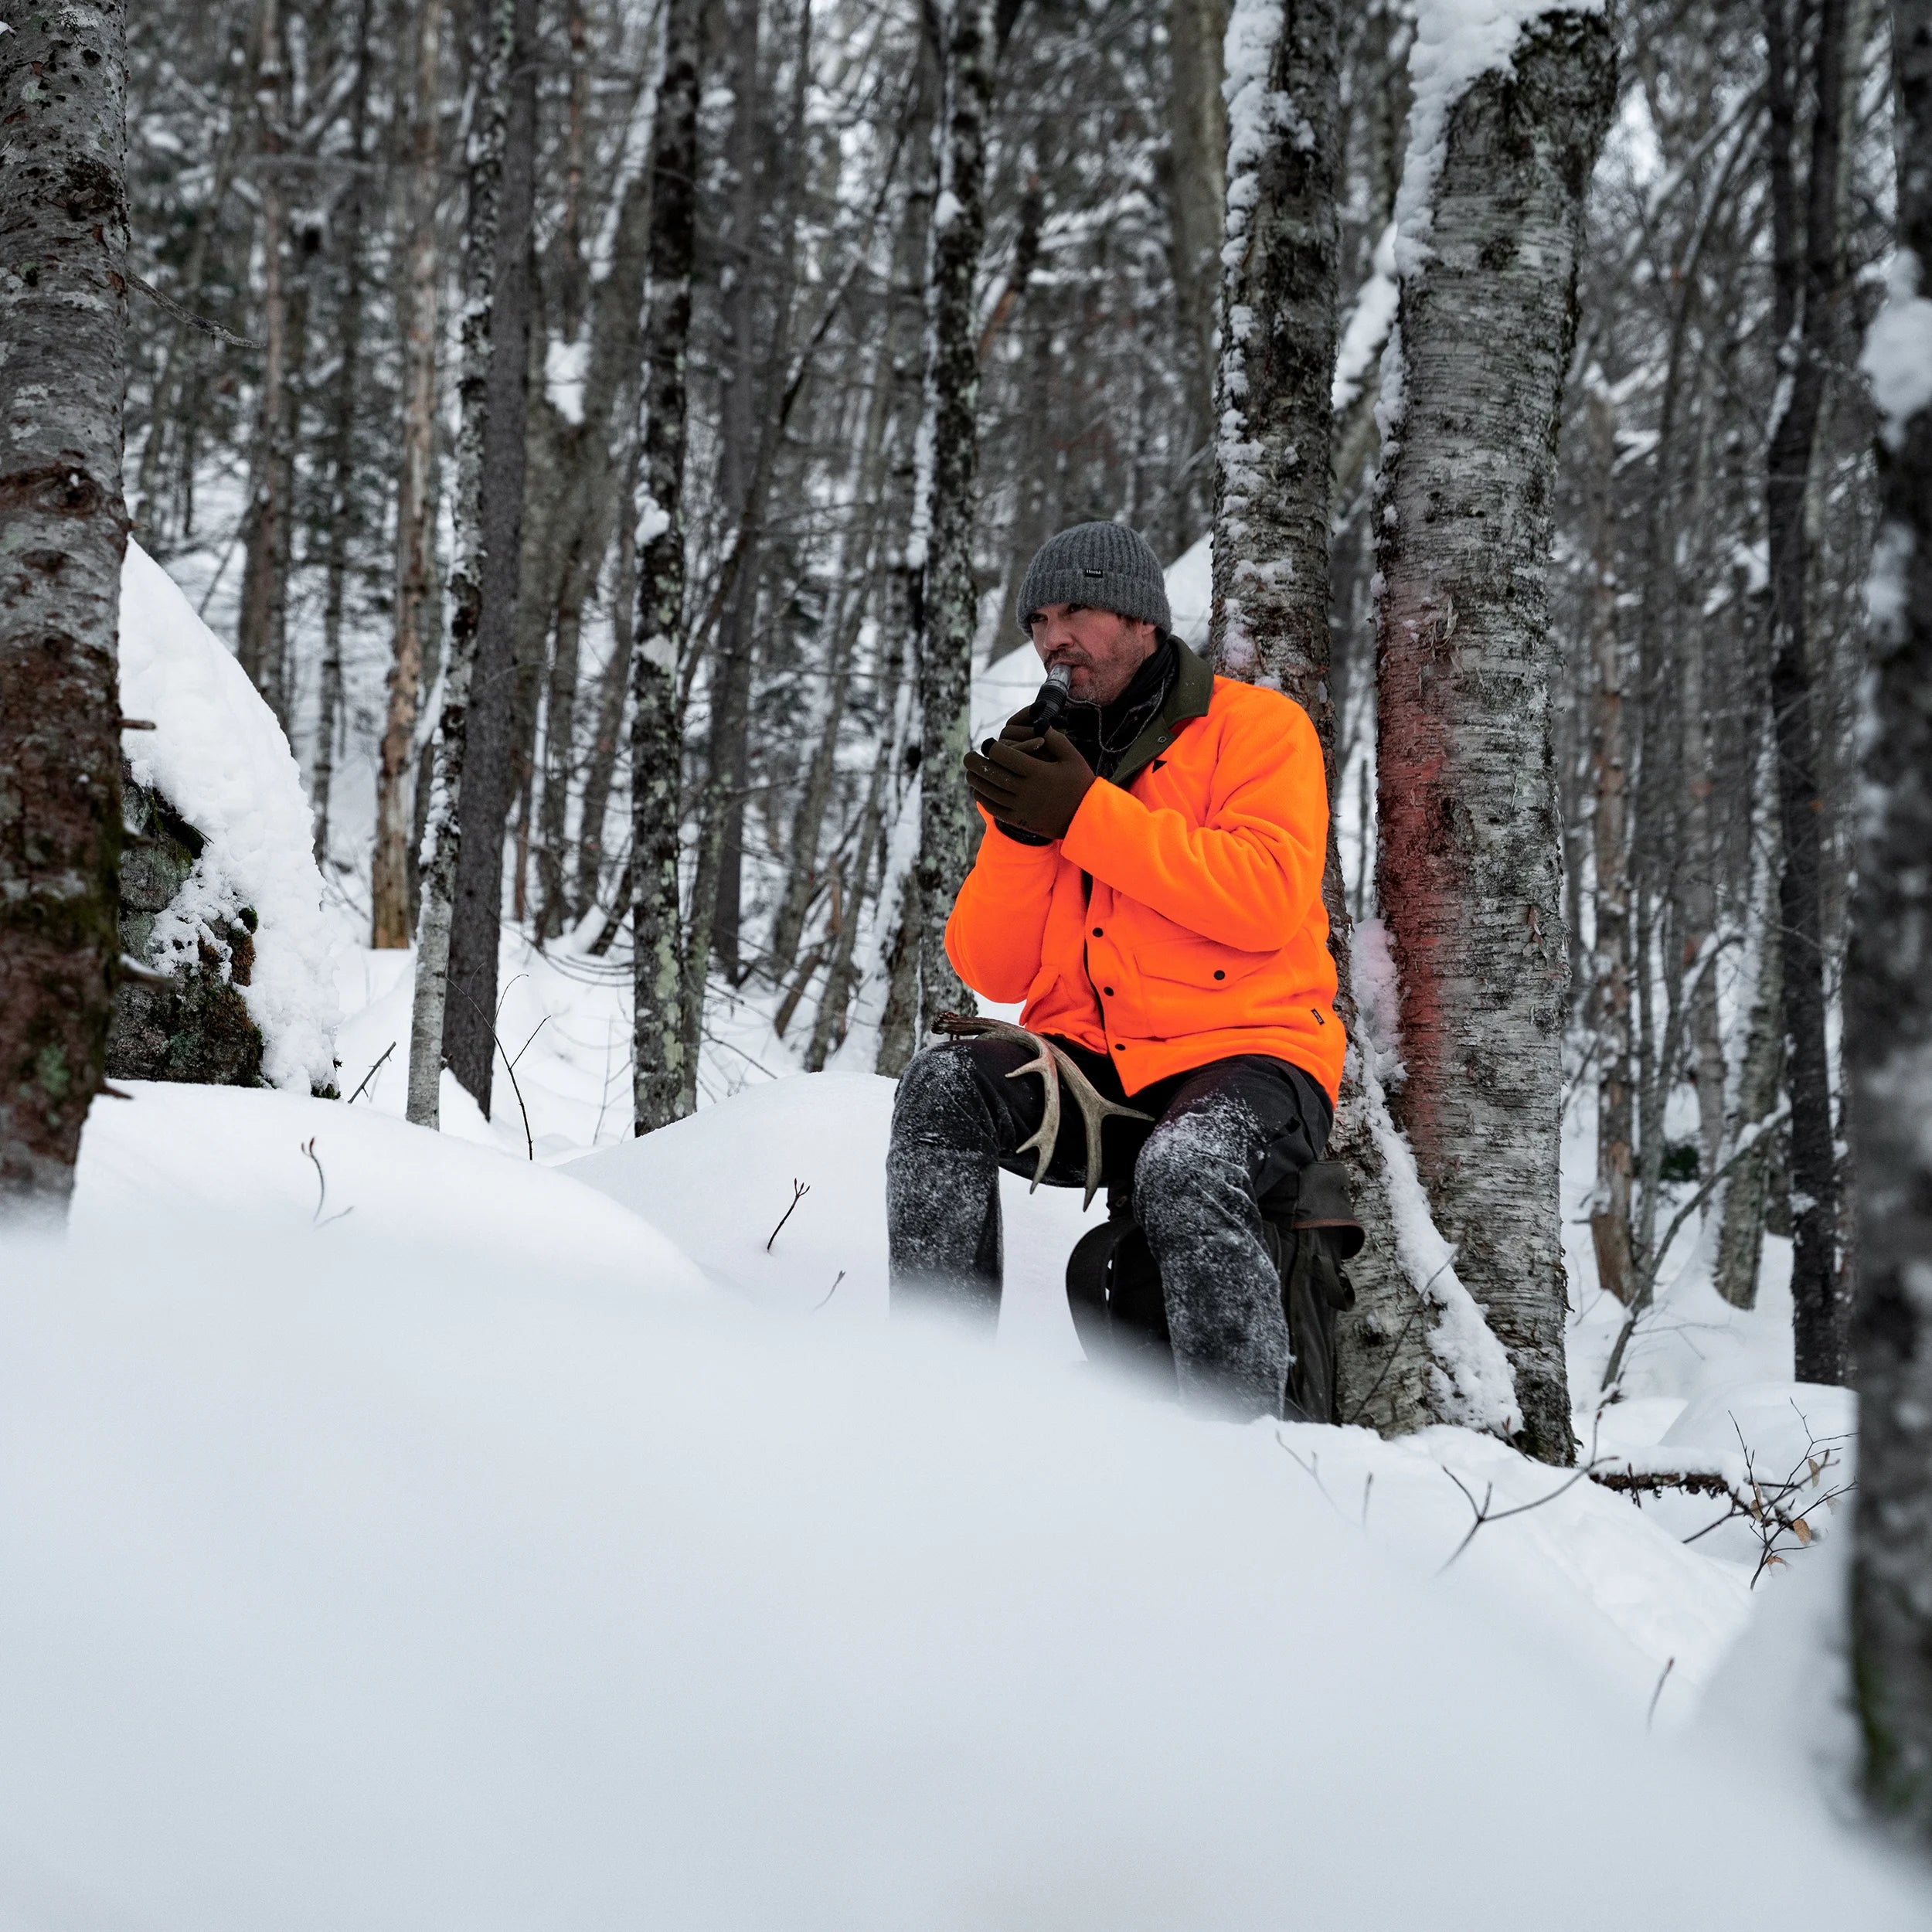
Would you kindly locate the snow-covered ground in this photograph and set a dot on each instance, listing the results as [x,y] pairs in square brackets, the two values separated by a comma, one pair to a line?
[492,1541]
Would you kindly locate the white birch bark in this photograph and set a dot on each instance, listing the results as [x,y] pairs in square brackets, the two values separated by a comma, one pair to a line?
[1470,879]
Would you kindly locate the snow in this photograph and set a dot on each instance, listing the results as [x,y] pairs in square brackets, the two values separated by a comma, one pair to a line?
[1190,592]
[431,1567]
[1473,1381]
[1897,357]
[1366,331]
[1456,42]
[564,367]
[220,759]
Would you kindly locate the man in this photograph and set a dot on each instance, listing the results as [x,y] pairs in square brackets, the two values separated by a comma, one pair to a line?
[1149,884]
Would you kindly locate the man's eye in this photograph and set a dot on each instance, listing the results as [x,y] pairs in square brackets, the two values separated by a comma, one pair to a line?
[1074,610]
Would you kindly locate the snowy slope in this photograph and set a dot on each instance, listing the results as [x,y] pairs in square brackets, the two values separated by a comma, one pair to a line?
[348,1588]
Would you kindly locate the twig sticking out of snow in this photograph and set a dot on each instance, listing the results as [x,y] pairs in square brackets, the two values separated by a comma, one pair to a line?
[315,1220]
[1650,1715]
[361,1084]
[799,1190]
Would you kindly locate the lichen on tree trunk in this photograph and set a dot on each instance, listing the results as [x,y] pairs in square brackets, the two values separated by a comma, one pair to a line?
[63,295]
[1470,864]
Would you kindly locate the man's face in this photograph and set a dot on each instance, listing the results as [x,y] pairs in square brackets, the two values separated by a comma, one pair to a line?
[1101,648]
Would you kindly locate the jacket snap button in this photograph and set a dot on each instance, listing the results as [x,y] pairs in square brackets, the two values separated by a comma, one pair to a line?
[1108,990]
[1097,932]
[1219,974]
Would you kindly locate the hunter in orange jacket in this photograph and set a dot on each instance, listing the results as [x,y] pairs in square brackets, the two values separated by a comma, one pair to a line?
[1180,919]
[1149,886]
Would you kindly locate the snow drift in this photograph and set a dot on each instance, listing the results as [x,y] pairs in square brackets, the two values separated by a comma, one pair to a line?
[362,1586]
[218,756]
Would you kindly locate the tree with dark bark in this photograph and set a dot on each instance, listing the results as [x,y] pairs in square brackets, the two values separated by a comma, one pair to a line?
[486,379]
[1471,860]
[1888,1027]
[664,1077]
[63,296]
[489,776]
[1808,291]
[970,34]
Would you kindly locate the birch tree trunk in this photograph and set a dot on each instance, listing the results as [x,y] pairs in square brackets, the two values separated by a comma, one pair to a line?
[1280,291]
[63,293]
[416,586]
[664,1079]
[259,624]
[342,517]
[1888,1027]
[1821,1292]
[483,805]
[441,835]
[946,601]
[1471,855]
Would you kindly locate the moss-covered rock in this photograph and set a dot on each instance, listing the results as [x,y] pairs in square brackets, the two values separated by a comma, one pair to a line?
[196,1027]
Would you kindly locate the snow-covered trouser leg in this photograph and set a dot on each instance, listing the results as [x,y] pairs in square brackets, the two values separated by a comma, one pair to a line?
[1231,1131]
[942,1175]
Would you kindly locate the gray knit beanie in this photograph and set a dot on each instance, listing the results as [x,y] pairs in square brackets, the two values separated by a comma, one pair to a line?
[1105,565]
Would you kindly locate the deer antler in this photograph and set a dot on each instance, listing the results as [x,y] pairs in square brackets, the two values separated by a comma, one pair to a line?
[1052,1064]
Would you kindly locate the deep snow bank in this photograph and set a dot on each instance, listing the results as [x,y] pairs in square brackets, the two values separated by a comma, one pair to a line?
[719,1183]
[220,759]
[246,1169]
[345,1591]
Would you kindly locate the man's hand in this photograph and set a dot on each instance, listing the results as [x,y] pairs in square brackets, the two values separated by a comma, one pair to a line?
[1036,784]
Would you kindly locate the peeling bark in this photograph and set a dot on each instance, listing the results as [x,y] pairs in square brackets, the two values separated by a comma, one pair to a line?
[1471,851]
[64,319]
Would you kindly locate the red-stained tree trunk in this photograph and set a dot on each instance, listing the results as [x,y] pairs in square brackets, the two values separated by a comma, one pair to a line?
[63,321]
[1471,862]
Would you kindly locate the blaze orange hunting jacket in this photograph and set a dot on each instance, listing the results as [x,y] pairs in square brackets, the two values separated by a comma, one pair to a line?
[1180,920]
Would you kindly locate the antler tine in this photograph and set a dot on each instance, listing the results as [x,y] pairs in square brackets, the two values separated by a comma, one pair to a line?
[1096,1110]
[971,1026]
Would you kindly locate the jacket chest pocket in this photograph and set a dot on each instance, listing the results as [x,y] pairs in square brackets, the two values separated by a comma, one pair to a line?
[1198,968]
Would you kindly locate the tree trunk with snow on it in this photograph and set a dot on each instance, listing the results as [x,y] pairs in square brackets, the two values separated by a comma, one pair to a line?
[1471,875]
[1888,1024]
[441,835]
[946,597]
[664,1079]
[63,295]
[1280,290]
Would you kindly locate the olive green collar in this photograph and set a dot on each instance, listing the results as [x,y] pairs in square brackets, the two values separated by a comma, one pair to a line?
[1191,693]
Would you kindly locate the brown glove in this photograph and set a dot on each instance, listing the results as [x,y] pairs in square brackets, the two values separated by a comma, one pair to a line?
[1035,785]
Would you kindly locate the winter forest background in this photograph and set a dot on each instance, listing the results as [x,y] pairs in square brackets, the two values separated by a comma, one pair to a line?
[605,437]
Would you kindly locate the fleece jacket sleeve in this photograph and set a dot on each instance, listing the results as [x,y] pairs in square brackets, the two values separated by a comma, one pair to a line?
[999,919]
[1249,876]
